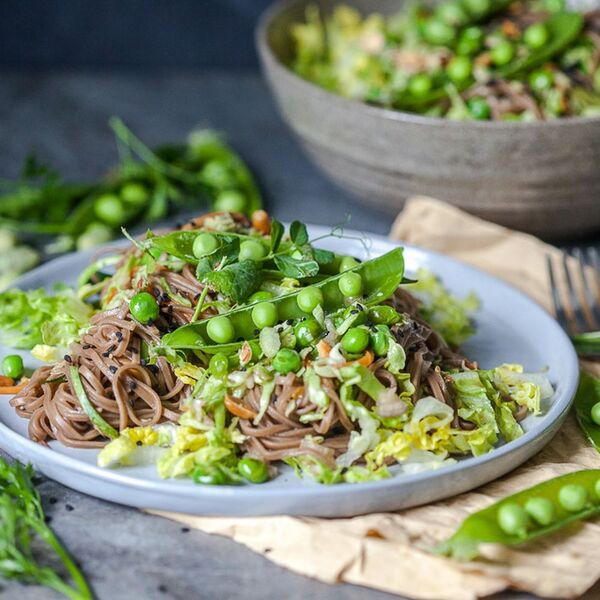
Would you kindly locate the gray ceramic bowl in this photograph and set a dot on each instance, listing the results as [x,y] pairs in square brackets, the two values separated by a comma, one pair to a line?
[541,177]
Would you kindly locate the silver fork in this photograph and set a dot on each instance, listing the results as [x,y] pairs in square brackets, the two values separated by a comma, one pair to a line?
[575,289]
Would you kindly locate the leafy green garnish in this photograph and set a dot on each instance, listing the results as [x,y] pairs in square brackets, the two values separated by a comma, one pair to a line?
[298,233]
[297,268]
[22,521]
[28,318]
[236,281]
[276,235]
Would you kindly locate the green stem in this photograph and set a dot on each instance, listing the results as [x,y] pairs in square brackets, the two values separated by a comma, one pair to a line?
[200,304]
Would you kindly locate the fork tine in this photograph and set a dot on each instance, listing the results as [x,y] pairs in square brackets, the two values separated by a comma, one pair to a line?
[592,311]
[559,310]
[579,323]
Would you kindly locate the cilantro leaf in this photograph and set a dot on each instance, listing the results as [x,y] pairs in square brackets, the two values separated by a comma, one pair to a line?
[236,281]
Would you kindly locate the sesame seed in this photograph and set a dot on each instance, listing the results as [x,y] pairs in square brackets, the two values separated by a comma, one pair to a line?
[68,358]
[69,507]
[112,369]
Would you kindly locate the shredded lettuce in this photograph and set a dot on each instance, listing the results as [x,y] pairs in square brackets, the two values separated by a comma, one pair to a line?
[448,315]
[29,318]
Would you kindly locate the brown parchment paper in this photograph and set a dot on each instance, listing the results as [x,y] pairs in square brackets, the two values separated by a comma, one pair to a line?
[383,551]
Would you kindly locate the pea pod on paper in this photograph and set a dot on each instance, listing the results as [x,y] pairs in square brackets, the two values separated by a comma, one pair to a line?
[527,515]
[380,276]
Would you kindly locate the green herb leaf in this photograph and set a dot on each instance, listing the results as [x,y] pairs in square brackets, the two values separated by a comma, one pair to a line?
[298,233]
[323,257]
[297,268]
[237,281]
[276,235]
[588,394]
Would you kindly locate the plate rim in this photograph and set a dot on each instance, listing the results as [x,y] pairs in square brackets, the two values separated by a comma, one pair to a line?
[38,453]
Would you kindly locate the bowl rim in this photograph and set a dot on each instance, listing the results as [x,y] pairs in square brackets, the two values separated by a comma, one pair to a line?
[267,55]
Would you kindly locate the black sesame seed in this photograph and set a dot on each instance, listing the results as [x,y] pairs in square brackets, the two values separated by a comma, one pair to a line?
[139,443]
[178,225]
[162,589]
[133,386]
[112,369]
[68,358]
[256,331]
[85,347]
[143,362]
[48,519]
[119,336]
[354,311]
[152,368]
[243,369]
[69,507]
[185,530]
[106,354]
[240,339]
[52,500]
[324,334]
[289,322]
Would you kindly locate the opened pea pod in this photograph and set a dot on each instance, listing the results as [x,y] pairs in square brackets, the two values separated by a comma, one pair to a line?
[527,515]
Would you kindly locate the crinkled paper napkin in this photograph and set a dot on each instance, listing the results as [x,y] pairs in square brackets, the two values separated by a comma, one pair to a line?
[383,551]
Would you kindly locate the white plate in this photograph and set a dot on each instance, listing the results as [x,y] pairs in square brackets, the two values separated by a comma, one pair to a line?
[510,328]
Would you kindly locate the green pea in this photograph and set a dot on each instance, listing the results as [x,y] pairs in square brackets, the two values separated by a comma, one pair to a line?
[452,13]
[513,519]
[219,364]
[420,84]
[470,41]
[230,201]
[143,307]
[12,366]
[380,340]
[307,332]
[254,470]
[595,413]
[359,317]
[355,340]
[309,298]
[264,314]
[597,488]
[541,510]
[347,263]
[260,296]
[479,108]
[573,497]
[217,174]
[459,69]
[350,284]
[204,244]
[383,314]
[134,194]
[251,250]
[477,7]
[536,35]
[438,33]
[541,80]
[109,208]
[502,53]
[209,476]
[220,329]
[286,361]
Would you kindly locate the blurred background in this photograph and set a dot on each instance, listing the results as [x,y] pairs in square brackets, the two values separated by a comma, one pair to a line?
[130,34]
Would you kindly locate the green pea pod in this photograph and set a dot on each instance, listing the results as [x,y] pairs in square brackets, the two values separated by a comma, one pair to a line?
[93,415]
[563,29]
[588,394]
[482,527]
[587,344]
[381,277]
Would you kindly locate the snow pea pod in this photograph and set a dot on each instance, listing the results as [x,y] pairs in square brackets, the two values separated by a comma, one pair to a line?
[588,394]
[380,276]
[563,29]
[488,526]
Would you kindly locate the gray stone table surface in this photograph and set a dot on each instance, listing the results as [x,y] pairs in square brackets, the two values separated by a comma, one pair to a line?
[63,118]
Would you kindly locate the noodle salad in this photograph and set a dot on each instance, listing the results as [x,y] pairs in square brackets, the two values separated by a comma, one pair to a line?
[225,347]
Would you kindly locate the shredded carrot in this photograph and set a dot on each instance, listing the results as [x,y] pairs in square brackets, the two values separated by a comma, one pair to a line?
[298,392]
[366,359]
[324,348]
[261,222]
[237,409]
[6,381]
[12,389]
